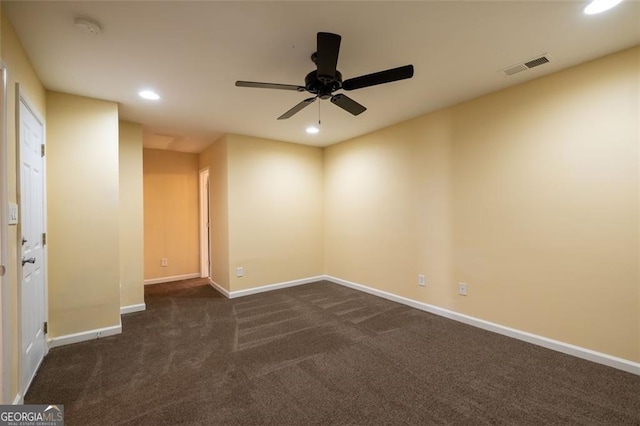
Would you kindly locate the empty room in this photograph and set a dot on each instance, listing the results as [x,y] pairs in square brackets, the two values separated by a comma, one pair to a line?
[320,212]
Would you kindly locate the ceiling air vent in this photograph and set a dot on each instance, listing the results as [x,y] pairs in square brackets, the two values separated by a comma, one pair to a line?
[515,70]
[535,62]
[531,63]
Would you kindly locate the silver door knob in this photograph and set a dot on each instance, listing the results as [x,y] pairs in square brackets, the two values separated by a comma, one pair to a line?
[29,260]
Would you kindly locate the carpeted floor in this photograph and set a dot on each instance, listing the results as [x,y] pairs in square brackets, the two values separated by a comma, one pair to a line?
[320,354]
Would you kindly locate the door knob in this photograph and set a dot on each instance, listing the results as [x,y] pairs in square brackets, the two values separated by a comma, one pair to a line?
[29,260]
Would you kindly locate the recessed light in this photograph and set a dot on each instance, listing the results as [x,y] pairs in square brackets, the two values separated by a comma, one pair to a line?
[312,130]
[149,94]
[598,6]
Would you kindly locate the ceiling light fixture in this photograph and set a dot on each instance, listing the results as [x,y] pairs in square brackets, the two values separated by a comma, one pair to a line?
[149,94]
[88,25]
[598,6]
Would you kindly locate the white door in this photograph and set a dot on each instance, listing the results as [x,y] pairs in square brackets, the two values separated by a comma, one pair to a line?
[32,287]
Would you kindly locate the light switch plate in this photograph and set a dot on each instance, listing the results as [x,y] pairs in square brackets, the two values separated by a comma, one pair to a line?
[13,214]
[422,281]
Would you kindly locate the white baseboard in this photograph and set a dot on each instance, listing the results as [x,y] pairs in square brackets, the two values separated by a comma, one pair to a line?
[271,287]
[132,308]
[170,279]
[569,349]
[218,287]
[18,400]
[85,335]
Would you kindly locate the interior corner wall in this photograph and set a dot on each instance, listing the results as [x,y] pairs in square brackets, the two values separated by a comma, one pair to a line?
[215,158]
[529,195]
[83,214]
[171,228]
[275,211]
[19,70]
[131,214]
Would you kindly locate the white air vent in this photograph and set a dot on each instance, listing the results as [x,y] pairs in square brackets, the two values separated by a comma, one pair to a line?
[523,66]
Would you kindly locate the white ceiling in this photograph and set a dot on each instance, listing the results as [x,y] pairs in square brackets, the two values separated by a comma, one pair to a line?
[192,53]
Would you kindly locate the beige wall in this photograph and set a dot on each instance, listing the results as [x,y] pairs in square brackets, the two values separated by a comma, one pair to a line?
[131,214]
[529,195]
[19,70]
[171,228]
[83,214]
[386,207]
[275,211]
[215,159]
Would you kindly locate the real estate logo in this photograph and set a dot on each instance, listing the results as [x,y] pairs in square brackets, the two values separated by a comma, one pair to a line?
[31,415]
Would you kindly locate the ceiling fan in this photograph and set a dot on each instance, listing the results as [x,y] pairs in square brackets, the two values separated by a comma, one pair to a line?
[326,79]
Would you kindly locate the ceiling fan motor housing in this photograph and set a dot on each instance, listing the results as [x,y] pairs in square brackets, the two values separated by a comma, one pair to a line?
[323,88]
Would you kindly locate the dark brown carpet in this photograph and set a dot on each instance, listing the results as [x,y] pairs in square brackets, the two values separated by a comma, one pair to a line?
[320,354]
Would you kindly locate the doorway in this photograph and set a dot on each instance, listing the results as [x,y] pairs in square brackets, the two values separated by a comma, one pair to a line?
[205,233]
[31,233]
[4,230]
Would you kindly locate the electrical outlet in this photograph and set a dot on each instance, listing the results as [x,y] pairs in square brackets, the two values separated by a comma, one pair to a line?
[164,262]
[240,271]
[422,281]
[462,289]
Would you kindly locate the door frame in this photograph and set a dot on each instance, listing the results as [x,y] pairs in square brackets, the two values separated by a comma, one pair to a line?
[205,228]
[22,97]
[5,353]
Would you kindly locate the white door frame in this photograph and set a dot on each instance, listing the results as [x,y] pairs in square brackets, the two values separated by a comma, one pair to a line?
[21,97]
[5,353]
[205,229]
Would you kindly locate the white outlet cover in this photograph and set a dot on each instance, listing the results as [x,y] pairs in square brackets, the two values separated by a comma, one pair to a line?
[462,289]
[239,271]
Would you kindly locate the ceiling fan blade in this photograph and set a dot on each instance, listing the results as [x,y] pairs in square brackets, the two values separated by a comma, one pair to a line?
[297,108]
[380,77]
[347,104]
[269,86]
[327,55]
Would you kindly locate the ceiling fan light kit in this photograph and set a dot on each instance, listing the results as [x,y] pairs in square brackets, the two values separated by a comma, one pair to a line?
[326,79]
